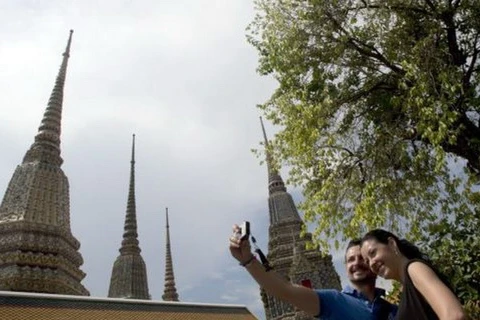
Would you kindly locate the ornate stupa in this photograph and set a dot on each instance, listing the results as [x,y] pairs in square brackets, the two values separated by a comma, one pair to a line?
[287,251]
[38,252]
[170,291]
[129,273]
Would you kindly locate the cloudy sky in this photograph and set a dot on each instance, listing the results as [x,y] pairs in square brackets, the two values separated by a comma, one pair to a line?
[181,76]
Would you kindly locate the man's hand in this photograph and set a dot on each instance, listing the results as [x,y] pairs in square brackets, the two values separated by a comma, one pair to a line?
[240,249]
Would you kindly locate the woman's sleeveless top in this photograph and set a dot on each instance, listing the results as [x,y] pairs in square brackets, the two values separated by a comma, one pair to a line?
[413,305]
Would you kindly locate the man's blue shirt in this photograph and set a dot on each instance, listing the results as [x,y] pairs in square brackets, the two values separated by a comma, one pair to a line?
[352,304]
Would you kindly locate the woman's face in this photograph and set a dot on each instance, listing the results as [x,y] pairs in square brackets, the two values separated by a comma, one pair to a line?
[380,258]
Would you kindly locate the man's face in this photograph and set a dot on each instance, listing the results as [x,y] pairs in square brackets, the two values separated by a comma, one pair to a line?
[357,268]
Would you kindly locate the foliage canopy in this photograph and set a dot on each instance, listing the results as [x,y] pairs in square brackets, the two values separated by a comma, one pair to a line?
[379,105]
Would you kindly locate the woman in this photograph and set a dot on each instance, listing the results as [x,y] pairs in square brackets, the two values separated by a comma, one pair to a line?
[425,295]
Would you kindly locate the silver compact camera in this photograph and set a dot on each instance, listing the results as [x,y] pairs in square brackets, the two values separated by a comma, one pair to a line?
[244,230]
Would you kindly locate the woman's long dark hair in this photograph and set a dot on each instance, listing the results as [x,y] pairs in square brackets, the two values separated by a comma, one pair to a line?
[408,249]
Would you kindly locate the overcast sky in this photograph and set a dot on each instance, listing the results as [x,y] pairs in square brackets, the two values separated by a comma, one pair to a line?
[181,76]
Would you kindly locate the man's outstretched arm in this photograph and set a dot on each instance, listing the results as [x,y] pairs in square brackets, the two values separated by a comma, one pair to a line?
[301,297]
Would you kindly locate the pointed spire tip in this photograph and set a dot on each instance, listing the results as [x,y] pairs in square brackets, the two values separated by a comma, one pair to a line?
[133,149]
[166,214]
[66,54]
[264,133]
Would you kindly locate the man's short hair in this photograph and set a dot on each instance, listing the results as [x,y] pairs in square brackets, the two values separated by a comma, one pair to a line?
[352,243]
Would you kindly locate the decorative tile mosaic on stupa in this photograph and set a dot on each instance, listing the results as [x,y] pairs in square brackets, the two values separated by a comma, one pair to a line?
[38,252]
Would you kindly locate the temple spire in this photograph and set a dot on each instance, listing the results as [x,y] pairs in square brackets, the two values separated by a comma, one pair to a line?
[275,181]
[170,292]
[287,251]
[129,273]
[46,147]
[130,234]
[38,252]
[267,151]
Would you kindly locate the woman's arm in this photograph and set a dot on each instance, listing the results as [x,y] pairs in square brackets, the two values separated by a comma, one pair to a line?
[438,295]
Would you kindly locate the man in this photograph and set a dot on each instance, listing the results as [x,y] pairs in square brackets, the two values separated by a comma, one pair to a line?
[360,301]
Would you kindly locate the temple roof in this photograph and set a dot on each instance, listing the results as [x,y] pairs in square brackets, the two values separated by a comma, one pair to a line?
[28,306]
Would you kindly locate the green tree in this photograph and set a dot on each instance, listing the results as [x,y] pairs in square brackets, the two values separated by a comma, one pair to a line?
[378,105]
[454,246]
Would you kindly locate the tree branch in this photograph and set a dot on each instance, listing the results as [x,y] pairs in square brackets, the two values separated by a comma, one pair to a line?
[362,93]
[466,145]
[357,45]
[350,152]
[394,8]
[356,163]
[431,5]
[468,75]
[374,53]
[457,55]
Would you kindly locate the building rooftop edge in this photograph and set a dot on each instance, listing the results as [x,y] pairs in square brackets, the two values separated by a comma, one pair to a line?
[119,300]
